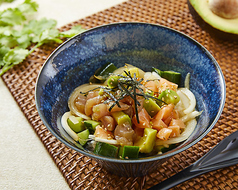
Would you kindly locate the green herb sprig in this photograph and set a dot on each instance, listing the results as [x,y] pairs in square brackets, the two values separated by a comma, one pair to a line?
[127,86]
[6,1]
[20,36]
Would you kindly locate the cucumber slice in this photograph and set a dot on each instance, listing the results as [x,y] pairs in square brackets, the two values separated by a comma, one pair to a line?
[106,150]
[128,152]
[91,125]
[162,149]
[159,72]
[102,73]
[171,76]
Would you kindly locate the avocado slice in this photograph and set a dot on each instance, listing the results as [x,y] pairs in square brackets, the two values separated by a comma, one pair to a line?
[83,136]
[147,142]
[151,107]
[121,117]
[169,97]
[76,123]
[226,25]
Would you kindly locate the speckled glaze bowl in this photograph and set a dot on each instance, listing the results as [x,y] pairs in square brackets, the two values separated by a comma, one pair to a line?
[145,46]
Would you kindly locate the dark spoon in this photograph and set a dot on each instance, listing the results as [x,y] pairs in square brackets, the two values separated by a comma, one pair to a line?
[224,154]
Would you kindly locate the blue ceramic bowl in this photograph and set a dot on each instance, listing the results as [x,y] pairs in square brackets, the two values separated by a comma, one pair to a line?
[145,46]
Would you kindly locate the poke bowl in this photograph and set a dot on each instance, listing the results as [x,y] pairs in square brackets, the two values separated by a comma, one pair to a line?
[139,48]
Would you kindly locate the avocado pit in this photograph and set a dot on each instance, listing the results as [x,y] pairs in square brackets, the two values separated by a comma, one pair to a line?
[217,22]
[224,8]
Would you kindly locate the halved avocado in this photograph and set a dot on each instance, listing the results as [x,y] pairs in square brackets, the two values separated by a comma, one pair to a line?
[226,25]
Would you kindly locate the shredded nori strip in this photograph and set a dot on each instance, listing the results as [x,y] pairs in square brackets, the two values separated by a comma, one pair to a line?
[127,86]
[113,97]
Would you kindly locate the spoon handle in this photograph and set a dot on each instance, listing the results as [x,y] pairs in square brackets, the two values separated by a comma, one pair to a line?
[224,154]
[176,179]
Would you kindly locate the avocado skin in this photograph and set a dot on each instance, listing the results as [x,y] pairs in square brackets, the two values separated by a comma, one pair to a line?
[217,33]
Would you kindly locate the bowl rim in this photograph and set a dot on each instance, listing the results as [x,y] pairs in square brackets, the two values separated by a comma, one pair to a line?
[145,159]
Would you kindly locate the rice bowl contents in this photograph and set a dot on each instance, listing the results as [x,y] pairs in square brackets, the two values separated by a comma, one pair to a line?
[128,113]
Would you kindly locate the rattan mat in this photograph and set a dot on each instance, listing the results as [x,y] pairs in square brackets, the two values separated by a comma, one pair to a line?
[81,172]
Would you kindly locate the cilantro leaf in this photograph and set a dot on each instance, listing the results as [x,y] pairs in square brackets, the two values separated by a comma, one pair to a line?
[36,27]
[49,35]
[13,57]
[16,16]
[17,33]
[28,7]
[6,1]
[8,41]
[11,17]
[3,51]
[72,32]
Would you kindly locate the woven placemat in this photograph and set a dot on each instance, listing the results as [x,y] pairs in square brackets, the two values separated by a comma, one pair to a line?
[81,172]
